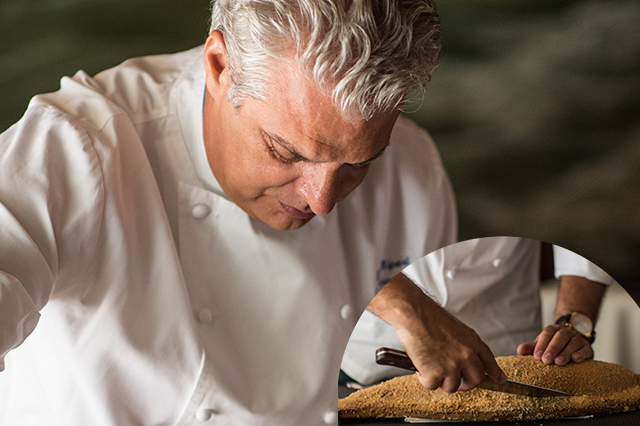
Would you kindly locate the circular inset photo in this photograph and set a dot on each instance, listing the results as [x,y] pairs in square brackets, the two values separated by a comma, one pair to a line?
[495,329]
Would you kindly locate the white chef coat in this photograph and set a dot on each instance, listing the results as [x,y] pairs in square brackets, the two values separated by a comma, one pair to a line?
[490,284]
[163,303]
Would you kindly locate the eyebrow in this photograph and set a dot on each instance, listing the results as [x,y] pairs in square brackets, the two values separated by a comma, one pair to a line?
[289,147]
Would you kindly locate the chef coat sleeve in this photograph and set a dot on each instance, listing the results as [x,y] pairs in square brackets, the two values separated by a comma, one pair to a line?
[569,263]
[50,208]
[427,273]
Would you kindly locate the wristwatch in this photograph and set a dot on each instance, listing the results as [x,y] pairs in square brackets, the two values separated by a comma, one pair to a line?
[579,322]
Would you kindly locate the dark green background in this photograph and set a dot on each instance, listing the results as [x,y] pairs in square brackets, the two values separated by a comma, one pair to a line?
[535,107]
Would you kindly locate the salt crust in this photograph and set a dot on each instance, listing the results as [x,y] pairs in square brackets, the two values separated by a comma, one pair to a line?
[598,387]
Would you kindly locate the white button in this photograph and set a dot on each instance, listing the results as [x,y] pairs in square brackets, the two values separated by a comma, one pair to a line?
[205,316]
[330,417]
[200,211]
[451,273]
[346,311]
[497,262]
[204,414]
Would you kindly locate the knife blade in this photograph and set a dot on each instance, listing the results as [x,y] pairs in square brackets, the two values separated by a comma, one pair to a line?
[396,358]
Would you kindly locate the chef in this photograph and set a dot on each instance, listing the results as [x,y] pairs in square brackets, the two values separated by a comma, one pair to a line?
[486,293]
[189,239]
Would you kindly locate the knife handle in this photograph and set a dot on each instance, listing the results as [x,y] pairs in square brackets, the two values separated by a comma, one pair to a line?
[395,358]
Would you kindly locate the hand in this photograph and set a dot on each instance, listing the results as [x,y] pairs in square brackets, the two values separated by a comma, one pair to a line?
[448,354]
[558,344]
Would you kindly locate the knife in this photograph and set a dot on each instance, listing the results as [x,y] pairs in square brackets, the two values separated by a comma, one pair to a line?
[396,358]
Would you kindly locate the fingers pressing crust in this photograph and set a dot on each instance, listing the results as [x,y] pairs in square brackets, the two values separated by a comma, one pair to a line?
[559,344]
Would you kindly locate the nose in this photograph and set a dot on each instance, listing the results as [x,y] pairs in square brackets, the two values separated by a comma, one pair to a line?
[320,186]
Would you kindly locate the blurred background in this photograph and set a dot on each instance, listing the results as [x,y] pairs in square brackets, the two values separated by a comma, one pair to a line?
[535,107]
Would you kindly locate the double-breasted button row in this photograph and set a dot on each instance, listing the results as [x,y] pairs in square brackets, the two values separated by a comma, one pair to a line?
[205,414]
[452,272]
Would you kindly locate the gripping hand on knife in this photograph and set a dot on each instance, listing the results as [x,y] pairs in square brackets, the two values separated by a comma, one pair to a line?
[448,354]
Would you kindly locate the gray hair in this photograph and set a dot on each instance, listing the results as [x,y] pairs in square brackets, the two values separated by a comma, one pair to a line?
[367,55]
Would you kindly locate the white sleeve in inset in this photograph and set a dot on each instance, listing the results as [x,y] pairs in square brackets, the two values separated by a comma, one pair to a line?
[569,263]
[427,273]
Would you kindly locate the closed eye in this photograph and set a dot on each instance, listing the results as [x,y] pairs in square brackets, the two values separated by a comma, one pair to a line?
[287,160]
[361,165]
[282,153]
[368,162]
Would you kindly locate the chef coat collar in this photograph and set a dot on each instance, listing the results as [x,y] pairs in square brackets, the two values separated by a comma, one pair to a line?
[189,101]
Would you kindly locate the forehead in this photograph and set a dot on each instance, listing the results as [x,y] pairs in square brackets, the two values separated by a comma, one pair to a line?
[298,112]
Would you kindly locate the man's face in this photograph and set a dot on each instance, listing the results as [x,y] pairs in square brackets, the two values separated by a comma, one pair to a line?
[290,157]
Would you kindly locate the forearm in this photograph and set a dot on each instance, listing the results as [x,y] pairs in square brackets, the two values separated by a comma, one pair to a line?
[401,302]
[578,294]
[448,354]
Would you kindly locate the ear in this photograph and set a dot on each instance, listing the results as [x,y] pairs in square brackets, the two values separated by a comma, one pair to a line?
[215,63]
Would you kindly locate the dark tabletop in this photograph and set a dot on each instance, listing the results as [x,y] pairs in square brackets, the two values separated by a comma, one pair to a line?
[621,419]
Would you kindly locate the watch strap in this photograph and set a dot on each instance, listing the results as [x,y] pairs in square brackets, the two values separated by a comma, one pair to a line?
[566,320]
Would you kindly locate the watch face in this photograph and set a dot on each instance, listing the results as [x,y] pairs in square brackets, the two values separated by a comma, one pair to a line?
[581,323]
